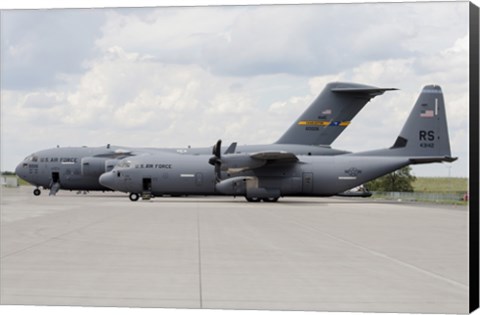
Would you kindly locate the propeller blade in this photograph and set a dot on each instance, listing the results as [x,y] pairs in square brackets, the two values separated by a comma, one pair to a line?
[217,149]
[216,159]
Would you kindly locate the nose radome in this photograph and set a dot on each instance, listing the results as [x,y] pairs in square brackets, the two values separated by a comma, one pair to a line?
[106,179]
[19,170]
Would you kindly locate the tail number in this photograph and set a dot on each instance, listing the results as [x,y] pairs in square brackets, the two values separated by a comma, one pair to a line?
[425,135]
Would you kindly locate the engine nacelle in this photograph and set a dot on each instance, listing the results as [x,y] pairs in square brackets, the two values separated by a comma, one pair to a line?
[236,185]
[245,186]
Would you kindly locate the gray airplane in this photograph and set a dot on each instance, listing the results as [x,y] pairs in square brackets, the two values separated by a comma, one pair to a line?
[79,168]
[270,174]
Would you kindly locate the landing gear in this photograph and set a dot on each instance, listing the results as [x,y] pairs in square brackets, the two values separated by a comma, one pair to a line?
[134,196]
[37,192]
[270,199]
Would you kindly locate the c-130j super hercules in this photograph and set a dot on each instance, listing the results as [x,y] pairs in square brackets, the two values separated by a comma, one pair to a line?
[300,163]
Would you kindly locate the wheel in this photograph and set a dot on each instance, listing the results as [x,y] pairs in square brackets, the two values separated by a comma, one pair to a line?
[253,199]
[37,192]
[134,196]
[270,199]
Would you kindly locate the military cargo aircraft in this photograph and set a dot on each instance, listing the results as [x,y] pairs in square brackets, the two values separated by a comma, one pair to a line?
[270,174]
[79,168]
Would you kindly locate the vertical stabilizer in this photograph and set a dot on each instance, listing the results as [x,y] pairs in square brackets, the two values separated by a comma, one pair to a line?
[425,132]
[331,112]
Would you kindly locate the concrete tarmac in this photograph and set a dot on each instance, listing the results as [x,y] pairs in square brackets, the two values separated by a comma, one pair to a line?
[323,254]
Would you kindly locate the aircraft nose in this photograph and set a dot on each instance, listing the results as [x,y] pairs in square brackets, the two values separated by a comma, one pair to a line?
[107,180]
[20,170]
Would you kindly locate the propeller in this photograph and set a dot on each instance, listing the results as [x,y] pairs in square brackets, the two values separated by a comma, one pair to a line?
[216,159]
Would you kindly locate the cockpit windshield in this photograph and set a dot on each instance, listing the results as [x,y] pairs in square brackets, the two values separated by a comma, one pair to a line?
[124,164]
[31,158]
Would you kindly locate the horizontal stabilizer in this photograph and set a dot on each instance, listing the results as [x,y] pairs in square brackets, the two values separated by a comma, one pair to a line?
[369,91]
[432,159]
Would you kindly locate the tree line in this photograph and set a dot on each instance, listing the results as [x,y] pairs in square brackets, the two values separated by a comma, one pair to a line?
[400,180]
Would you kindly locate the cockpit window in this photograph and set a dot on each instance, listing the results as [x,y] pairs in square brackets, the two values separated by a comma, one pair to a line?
[31,158]
[124,164]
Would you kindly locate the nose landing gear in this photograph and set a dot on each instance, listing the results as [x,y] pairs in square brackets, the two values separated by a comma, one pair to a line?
[37,192]
[134,196]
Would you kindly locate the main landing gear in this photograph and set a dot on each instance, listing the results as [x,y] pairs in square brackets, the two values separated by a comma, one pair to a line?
[37,192]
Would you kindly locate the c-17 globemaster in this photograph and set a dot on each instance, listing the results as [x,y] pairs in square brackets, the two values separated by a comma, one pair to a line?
[270,174]
[79,168]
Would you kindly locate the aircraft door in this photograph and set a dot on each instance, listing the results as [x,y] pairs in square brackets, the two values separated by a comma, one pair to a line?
[307,183]
[55,177]
[147,184]
[55,184]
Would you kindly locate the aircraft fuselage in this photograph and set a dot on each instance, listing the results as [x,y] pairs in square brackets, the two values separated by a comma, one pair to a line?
[79,168]
[193,175]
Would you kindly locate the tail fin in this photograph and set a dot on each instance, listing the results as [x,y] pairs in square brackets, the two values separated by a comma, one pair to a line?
[424,136]
[328,116]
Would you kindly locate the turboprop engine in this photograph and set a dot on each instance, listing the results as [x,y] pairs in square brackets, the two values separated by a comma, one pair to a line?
[247,186]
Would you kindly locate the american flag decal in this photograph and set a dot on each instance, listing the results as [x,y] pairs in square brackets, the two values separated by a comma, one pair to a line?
[427,113]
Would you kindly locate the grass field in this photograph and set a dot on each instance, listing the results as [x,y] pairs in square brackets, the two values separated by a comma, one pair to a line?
[441,184]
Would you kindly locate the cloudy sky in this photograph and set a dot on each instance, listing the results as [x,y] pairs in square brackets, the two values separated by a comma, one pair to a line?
[173,77]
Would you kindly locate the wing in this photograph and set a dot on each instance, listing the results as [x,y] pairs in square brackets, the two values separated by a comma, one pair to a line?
[235,163]
[275,156]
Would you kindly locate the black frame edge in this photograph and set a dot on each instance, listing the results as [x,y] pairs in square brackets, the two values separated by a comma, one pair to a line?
[474,159]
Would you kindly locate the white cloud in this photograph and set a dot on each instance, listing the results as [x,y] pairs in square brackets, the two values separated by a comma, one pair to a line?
[244,41]
[36,45]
